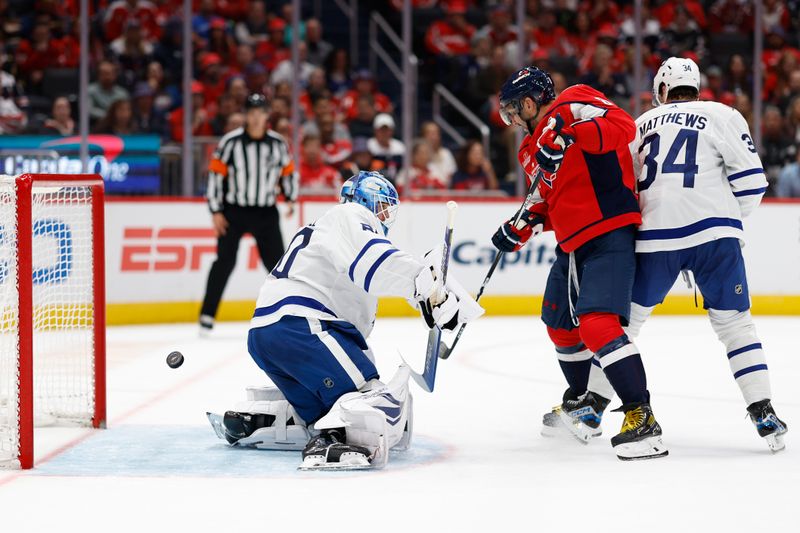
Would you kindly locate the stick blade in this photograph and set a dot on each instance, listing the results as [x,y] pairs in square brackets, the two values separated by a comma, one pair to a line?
[432,356]
[417,377]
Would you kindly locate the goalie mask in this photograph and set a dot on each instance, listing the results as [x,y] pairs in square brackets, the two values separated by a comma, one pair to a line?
[374,192]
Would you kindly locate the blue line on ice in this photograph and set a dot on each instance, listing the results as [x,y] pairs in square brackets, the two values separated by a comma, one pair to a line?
[189,451]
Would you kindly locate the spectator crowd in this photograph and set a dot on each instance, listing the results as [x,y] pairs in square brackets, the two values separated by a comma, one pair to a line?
[349,118]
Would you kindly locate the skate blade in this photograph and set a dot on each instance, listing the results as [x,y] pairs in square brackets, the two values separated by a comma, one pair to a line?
[577,429]
[649,448]
[352,462]
[334,467]
[775,442]
[216,423]
[561,432]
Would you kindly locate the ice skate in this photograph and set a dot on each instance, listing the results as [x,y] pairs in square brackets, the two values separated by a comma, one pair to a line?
[577,416]
[640,436]
[768,425]
[328,451]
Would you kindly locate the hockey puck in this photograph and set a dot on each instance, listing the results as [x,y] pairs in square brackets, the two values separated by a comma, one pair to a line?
[175,359]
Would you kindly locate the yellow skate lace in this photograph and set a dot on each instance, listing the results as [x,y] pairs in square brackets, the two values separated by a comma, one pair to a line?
[633,419]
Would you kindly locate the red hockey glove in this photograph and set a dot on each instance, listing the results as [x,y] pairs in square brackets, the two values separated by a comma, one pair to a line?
[512,237]
[552,143]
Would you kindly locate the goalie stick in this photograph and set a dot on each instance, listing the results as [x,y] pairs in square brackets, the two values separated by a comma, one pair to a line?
[427,379]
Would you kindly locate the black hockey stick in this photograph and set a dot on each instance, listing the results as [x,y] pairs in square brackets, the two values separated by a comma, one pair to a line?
[445,351]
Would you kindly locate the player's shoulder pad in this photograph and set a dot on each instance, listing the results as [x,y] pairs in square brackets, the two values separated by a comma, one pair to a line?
[584,94]
[575,91]
[356,216]
[721,115]
[647,115]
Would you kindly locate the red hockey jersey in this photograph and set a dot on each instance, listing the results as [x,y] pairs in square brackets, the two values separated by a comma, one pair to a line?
[593,191]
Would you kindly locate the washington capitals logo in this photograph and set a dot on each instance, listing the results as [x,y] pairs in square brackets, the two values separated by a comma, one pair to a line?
[524,73]
[546,179]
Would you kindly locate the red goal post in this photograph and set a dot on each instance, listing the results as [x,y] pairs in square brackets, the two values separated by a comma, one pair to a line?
[52,307]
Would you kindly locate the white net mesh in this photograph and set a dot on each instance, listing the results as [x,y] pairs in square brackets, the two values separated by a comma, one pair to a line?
[63,312]
[9,371]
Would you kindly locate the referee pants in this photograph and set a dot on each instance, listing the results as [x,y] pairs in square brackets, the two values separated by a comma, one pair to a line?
[263,223]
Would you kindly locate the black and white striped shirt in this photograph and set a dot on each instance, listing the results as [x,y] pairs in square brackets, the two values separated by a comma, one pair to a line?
[247,172]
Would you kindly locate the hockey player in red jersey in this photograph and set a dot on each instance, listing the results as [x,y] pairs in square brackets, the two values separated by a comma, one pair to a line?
[578,142]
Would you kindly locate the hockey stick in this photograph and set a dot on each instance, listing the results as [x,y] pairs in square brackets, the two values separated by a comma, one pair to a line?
[445,351]
[427,379]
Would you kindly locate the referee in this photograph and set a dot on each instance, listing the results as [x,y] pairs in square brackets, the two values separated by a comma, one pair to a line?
[249,167]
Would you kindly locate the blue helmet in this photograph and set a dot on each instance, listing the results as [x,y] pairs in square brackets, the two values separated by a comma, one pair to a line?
[531,82]
[374,192]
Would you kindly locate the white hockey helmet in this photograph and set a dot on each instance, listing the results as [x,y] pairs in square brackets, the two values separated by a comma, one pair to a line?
[676,72]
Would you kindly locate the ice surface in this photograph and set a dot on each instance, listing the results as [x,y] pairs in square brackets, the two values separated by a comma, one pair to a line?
[478,461]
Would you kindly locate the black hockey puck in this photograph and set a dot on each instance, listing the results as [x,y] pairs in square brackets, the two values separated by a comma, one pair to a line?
[175,359]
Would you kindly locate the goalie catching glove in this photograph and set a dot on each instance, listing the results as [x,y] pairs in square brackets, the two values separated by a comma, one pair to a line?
[439,306]
[511,236]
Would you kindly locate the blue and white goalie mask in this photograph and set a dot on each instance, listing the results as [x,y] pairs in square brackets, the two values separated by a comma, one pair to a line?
[374,192]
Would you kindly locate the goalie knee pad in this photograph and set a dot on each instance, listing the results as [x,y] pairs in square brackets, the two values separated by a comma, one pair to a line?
[746,358]
[378,418]
[265,421]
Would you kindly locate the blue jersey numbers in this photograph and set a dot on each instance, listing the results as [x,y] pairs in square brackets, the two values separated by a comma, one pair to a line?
[300,241]
[685,138]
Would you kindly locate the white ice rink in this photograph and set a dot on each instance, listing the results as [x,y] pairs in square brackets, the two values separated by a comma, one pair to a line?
[478,464]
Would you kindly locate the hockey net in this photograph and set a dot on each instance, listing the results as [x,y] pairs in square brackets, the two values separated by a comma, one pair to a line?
[52,308]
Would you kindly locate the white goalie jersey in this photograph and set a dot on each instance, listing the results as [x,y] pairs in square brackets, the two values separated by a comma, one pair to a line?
[698,175]
[335,269]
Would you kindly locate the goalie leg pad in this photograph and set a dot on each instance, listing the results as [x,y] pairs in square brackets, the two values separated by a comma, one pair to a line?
[313,362]
[377,418]
[268,423]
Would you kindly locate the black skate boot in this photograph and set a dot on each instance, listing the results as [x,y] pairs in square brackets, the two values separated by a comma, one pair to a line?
[768,425]
[329,451]
[580,416]
[241,425]
[640,436]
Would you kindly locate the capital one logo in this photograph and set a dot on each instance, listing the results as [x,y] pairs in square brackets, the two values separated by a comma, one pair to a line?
[52,251]
[148,249]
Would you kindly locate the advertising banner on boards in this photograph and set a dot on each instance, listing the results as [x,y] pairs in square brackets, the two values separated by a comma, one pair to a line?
[161,251]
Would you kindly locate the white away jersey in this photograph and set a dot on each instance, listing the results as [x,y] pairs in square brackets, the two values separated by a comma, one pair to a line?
[698,175]
[335,269]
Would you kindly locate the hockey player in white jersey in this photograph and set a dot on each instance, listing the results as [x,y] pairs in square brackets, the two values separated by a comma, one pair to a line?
[309,330]
[699,175]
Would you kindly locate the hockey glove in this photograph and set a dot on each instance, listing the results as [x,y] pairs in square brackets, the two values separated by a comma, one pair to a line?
[444,315]
[512,237]
[428,286]
[552,143]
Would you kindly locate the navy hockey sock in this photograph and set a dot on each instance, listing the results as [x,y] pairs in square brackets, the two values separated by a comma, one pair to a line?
[623,366]
[576,363]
